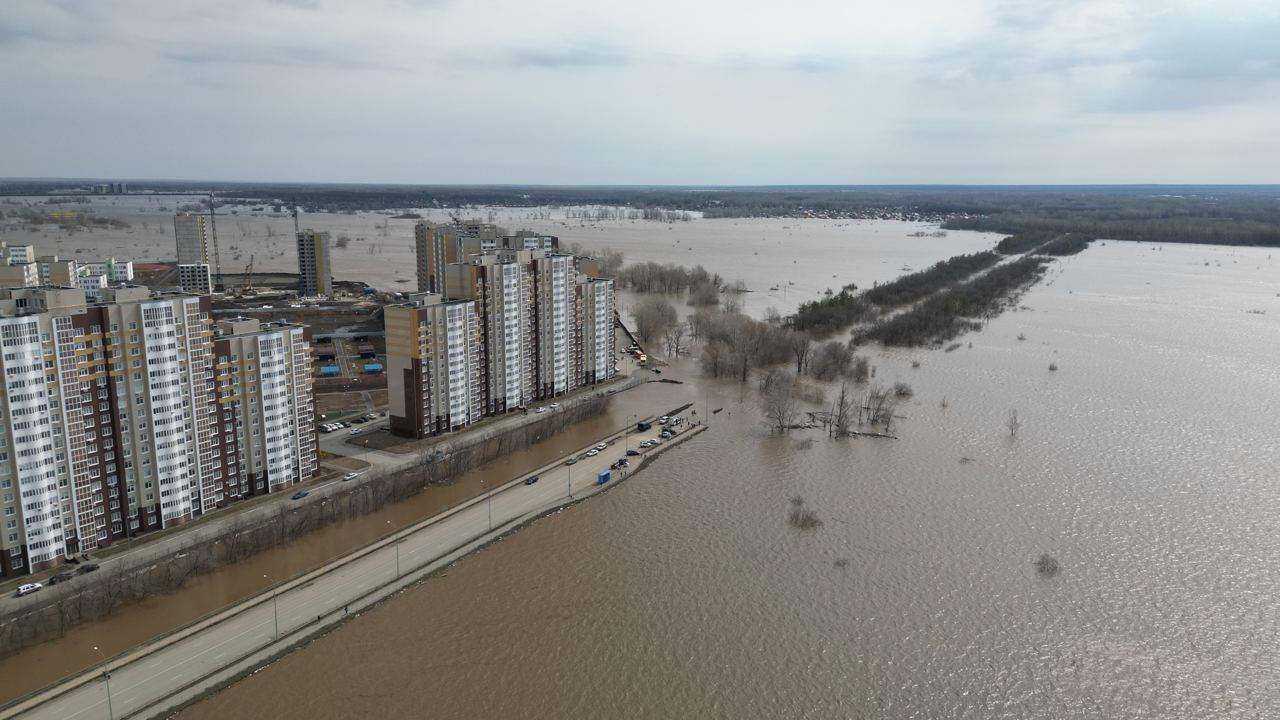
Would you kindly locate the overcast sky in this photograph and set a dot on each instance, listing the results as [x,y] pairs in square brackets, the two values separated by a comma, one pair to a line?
[661,91]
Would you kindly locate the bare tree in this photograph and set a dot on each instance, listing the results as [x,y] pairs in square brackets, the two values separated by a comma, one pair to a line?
[842,411]
[800,344]
[675,337]
[778,401]
[653,315]
[715,358]
[1012,423]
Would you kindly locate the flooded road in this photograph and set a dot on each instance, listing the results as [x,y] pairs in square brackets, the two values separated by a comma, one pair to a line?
[1146,465]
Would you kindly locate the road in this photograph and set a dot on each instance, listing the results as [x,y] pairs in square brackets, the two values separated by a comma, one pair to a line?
[136,683]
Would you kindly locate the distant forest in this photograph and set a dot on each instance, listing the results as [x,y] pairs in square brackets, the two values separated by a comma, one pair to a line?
[1220,215]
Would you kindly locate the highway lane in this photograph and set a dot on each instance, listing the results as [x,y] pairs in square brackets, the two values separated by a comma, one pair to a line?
[139,684]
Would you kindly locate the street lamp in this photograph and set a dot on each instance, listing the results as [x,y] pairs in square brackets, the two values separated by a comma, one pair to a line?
[275,609]
[488,501]
[106,674]
[570,481]
[397,544]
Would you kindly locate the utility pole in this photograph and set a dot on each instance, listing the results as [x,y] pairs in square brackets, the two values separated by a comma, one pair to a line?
[275,609]
[106,674]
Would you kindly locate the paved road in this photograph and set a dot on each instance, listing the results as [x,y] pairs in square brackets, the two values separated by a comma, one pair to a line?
[138,684]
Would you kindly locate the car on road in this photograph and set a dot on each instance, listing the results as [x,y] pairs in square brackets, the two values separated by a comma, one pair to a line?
[531,480]
[540,410]
[554,406]
[359,421]
[325,429]
[664,434]
[356,431]
[571,461]
[602,446]
[350,476]
[60,577]
[646,444]
[633,453]
[300,494]
[593,452]
[27,589]
[664,420]
[88,568]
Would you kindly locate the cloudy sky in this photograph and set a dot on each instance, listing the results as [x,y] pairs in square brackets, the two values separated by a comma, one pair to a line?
[661,91]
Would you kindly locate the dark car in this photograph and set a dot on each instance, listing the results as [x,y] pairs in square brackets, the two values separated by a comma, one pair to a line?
[571,461]
[531,480]
[88,568]
[60,577]
[633,453]
[300,494]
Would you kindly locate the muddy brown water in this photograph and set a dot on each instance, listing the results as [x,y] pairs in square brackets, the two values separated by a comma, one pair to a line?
[1146,465]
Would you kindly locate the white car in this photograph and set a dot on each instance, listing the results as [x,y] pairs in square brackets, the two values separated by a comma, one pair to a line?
[350,476]
[356,431]
[554,406]
[646,444]
[593,452]
[28,588]
[602,446]
[664,420]
[540,410]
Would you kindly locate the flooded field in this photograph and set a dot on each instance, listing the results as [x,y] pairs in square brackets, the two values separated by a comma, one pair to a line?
[1145,465]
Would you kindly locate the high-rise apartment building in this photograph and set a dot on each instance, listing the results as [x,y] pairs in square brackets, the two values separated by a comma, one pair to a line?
[264,375]
[543,328]
[315,274]
[189,231]
[502,285]
[117,423]
[434,371]
[595,359]
[440,245]
[555,299]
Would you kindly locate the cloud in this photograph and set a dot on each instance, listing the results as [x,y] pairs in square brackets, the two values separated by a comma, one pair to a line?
[568,57]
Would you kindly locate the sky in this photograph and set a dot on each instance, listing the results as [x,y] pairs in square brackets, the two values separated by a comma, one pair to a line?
[655,92]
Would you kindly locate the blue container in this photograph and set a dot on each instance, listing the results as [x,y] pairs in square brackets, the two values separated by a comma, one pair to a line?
[603,478]
[373,368]
[329,371]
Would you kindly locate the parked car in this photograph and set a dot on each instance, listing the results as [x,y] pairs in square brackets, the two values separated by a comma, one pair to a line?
[300,494]
[356,431]
[602,446]
[359,421]
[633,453]
[540,410]
[593,452]
[28,588]
[664,420]
[60,577]
[554,406]
[531,480]
[350,476]
[88,568]
[571,461]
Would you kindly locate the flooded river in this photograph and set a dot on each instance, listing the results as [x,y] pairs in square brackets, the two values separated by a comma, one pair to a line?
[1146,465]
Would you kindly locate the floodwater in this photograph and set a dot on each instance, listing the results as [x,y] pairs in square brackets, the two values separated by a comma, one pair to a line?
[1146,465]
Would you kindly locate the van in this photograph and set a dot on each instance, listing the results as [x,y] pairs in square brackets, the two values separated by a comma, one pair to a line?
[28,588]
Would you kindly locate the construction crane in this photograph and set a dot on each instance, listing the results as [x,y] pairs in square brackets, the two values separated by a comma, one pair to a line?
[294,212]
[248,278]
[218,285]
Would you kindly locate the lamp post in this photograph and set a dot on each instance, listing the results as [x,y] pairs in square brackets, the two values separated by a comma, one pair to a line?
[106,674]
[397,544]
[275,608]
[488,502]
[570,481]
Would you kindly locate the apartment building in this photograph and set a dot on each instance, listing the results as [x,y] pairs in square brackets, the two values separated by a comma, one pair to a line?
[192,238]
[195,278]
[53,271]
[434,371]
[19,275]
[264,379]
[115,421]
[315,274]
[440,245]
[596,358]
[556,314]
[502,286]
[117,271]
[20,254]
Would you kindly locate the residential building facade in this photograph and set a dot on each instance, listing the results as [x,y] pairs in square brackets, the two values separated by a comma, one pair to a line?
[192,238]
[115,424]
[315,275]
[434,372]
